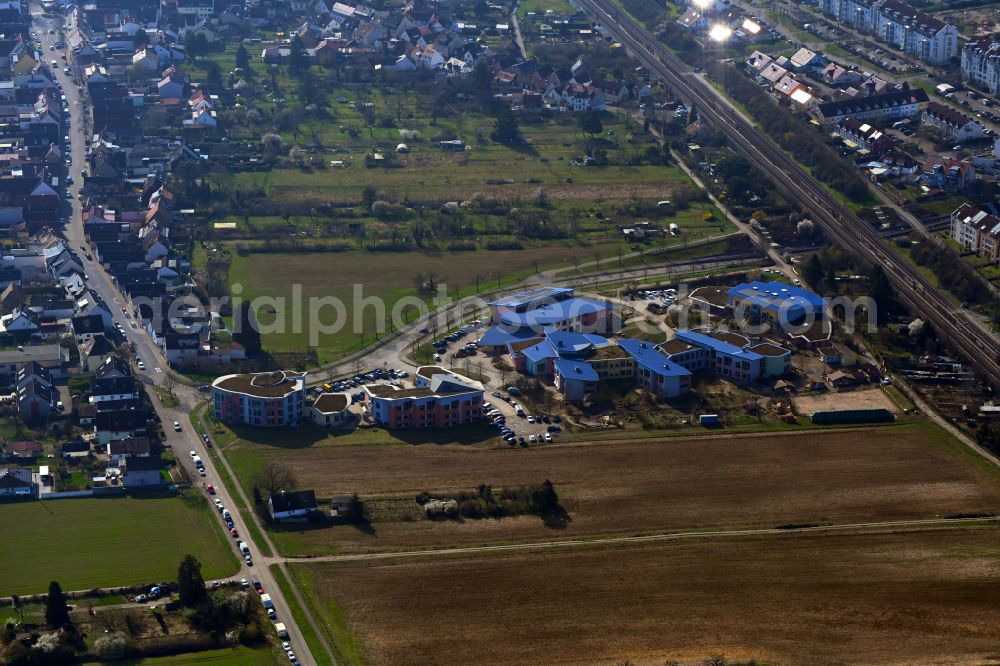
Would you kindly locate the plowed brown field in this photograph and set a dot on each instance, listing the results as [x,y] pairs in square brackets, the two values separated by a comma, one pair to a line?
[900,472]
[929,597]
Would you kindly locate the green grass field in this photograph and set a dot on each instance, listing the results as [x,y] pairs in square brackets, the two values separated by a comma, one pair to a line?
[302,621]
[427,173]
[541,6]
[330,614]
[386,276]
[86,543]
[236,656]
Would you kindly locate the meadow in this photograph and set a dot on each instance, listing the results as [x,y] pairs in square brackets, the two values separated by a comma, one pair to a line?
[385,276]
[105,542]
[236,656]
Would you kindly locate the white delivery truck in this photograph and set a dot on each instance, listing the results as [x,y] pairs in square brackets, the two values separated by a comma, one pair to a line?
[280,628]
[266,600]
[244,548]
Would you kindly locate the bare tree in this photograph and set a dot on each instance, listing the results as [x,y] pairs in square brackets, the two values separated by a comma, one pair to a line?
[275,476]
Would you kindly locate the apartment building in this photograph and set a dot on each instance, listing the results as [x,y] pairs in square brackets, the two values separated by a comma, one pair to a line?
[899,25]
[440,399]
[981,63]
[976,230]
[262,399]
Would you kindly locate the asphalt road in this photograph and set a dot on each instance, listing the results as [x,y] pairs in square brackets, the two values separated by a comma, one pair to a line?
[156,366]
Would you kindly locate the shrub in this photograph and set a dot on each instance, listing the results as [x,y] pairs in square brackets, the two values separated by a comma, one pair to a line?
[251,634]
[112,646]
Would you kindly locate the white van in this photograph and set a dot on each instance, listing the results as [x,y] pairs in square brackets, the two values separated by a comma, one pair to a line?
[244,548]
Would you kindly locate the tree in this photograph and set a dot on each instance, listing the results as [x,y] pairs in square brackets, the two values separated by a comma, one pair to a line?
[242,57]
[482,80]
[881,292]
[213,77]
[274,477]
[590,122]
[356,511]
[9,632]
[506,129]
[544,499]
[298,60]
[56,613]
[190,584]
[368,195]
[195,44]
[812,272]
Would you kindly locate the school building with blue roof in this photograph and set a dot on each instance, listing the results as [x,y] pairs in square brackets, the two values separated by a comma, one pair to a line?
[537,312]
[775,302]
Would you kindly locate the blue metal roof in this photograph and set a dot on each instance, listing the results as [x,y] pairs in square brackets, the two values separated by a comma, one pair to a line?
[554,313]
[708,342]
[574,343]
[530,296]
[777,295]
[575,370]
[539,352]
[500,335]
[651,358]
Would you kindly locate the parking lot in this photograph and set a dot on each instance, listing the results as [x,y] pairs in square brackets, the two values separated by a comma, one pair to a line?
[468,349]
[517,426]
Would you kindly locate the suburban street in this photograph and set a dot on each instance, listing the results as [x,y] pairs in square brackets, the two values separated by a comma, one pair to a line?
[156,366]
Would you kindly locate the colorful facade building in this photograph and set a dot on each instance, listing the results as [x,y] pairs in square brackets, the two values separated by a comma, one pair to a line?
[440,399]
[263,399]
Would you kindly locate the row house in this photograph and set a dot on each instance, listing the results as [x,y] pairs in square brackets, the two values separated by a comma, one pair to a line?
[894,105]
[951,123]
[864,136]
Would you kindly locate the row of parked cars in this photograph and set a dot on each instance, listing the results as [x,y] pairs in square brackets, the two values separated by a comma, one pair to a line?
[470,348]
[360,379]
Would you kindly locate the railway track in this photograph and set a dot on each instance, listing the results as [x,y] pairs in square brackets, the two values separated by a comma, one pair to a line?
[966,334]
